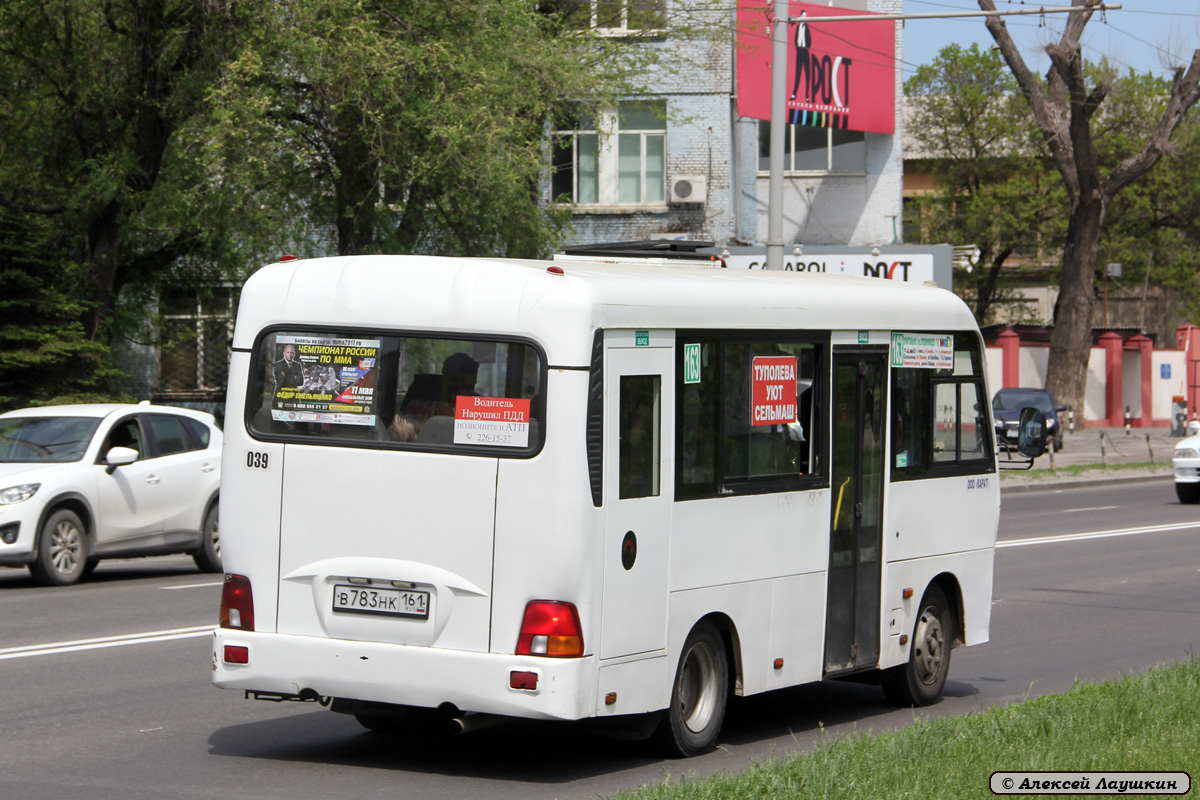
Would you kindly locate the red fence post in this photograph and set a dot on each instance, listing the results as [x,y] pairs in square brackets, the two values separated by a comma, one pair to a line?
[1010,347]
[1145,346]
[1113,409]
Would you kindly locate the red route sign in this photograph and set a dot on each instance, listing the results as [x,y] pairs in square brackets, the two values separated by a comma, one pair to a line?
[773,390]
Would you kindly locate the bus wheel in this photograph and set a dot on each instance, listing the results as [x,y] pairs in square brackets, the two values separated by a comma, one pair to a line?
[690,725]
[921,680]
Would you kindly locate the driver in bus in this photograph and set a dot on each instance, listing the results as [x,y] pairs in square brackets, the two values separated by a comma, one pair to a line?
[459,374]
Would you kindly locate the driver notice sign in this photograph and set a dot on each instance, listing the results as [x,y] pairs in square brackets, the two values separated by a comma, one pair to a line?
[773,390]
[495,421]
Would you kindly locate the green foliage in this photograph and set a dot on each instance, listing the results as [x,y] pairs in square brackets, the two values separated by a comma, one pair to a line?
[45,358]
[1154,225]
[1144,723]
[974,134]
[408,127]
[95,102]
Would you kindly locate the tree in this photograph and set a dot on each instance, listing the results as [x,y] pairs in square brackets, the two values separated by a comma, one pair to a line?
[1064,109]
[974,130]
[96,99]
[45,357]
[1153,226]
[409,126]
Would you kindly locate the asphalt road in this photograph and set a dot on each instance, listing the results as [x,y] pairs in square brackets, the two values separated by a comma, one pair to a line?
[1091,584]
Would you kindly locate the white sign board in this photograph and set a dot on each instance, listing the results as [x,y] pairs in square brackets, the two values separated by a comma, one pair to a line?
[923,350]
[910,267]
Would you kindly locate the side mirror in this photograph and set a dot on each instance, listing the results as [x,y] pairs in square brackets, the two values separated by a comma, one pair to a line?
[1193,427]
[1031,433]
[119,457]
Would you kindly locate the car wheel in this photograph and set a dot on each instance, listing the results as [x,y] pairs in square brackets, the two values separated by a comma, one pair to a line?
[62,550]
[1188,493]
[208,556]
[921,680]
[1058,444]
[691,723]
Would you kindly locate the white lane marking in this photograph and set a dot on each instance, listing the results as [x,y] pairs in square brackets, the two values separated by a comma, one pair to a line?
[217,583]
[1064,511]
[26,651]
[1076,537]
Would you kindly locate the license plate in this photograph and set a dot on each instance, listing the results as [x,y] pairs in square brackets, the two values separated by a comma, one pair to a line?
[378,600]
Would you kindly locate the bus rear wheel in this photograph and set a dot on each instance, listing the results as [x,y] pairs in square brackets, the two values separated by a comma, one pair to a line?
[921,680]
[691,723]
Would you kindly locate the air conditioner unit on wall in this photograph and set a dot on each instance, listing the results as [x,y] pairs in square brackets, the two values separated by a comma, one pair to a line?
[689,189]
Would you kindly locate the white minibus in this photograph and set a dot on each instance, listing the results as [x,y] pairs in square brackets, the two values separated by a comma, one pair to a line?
[458,489]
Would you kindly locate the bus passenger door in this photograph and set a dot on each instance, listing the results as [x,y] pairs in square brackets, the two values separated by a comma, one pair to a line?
[638,490]
[856,524]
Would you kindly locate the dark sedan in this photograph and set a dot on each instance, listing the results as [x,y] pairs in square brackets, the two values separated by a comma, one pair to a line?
[1006,410]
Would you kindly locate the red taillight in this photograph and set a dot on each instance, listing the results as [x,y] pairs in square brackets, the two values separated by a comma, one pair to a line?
[237,603]
[550,628]
[237,654]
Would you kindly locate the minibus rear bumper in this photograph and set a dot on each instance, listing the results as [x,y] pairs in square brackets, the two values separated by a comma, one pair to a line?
[406,675]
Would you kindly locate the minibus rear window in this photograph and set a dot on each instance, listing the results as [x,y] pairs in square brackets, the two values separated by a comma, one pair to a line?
[384,390]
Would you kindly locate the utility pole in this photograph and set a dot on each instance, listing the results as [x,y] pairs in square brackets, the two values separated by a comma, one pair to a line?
[779,29]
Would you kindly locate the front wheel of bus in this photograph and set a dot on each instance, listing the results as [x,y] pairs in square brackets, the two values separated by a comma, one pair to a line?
[921,680]
[692,721]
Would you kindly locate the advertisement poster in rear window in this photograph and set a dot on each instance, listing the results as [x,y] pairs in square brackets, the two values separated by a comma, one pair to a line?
[324,380]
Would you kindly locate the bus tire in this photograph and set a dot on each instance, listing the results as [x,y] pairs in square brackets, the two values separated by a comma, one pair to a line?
[62,550]
[921,680]
[691,723]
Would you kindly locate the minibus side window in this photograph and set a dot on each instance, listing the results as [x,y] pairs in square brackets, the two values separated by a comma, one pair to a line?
[747,413]
[939,423]
[640,427]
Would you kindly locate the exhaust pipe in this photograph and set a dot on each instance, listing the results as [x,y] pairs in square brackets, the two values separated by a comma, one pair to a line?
[473,722]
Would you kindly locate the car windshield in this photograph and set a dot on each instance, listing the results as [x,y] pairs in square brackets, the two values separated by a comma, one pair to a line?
[1015,401]
[34,439]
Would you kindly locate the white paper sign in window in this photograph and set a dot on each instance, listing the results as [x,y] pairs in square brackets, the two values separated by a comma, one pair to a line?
[923,350]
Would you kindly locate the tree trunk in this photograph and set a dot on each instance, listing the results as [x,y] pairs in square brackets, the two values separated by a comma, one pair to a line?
[356,186]
[1071,339]
[104,251]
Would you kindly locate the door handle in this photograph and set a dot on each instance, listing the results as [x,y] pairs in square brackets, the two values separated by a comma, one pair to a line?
[153,479]
[207,468]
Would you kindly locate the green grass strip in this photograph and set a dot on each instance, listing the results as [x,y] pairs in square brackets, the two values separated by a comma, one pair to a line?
[1149,722]
[1079,469]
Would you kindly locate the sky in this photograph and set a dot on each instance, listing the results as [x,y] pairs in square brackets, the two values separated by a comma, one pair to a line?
[1142,34]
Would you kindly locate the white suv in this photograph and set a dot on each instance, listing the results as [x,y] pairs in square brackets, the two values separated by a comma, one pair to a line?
[79,483]
[1187,465]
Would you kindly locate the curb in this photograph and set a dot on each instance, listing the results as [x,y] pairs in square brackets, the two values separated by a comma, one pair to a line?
[1059,483]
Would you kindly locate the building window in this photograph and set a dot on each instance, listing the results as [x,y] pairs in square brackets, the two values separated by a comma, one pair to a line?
[617,157]
[809,149]
[197,333]
[615,16]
